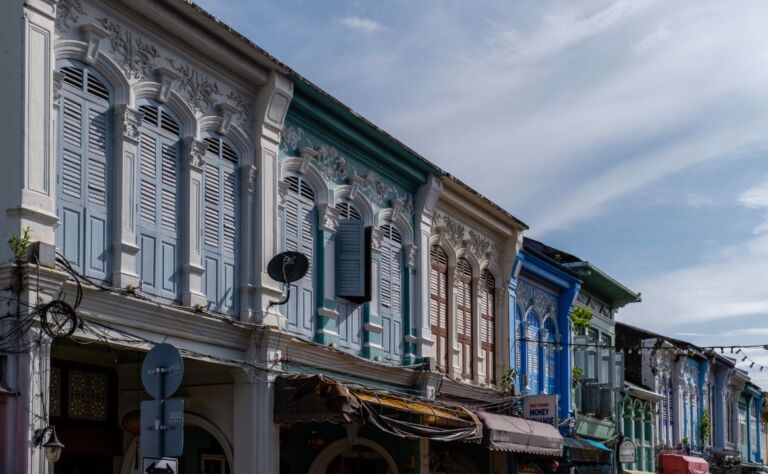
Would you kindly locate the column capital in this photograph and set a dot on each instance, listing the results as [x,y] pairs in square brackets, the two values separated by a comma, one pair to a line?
[129,122]
[194,153]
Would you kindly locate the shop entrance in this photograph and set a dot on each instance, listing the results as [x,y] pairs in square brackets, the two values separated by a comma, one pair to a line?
[359,459]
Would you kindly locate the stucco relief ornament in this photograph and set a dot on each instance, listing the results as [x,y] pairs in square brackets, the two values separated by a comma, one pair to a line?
[331,164]
[329,218]
[291,138]
[200,89]
[454,231]
[137,56]
[377,238]
[66,14]
[479,244]
[542,301]
[375,189]
[130,122]
[244,110]
[196,152]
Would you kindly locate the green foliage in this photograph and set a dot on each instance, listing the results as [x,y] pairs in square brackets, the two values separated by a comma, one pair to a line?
[581,317]
[706,426]
[686,442]
[19,244]
[507,383]
[576,374]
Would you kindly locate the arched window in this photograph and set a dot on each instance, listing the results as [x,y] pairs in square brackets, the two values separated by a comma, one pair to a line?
[519,342]
[488,324]
[158,192]
[438,305]
[84,170]
[221,199]
[350,256]
[532,351]
[391,294]
[299,236]
[548,350]
[464,309]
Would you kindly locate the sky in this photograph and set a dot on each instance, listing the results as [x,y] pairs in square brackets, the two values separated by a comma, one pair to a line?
[632,133]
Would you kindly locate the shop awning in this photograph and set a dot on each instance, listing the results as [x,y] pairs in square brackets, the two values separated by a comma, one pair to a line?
[679,464]
[322,399]
[586,451]
[509,433]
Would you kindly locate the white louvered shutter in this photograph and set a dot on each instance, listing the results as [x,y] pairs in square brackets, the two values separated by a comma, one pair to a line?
[84,167]
[390,284]
[220,224]
[158,192]
[298,235]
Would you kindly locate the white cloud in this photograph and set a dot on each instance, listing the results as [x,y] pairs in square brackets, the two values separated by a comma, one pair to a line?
[756,196]
[360,23]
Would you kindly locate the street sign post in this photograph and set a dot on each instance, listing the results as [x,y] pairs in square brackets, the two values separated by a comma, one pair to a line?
[162,419]
[159,466]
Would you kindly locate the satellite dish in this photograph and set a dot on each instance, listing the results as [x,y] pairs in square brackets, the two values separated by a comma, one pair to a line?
[288,267]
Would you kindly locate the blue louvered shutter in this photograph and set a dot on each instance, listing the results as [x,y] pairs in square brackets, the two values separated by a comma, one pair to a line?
[532,346]
[298,236]
[83,173]
[390,294]
[220,218]
[159,236]
[549,357]
[350,253]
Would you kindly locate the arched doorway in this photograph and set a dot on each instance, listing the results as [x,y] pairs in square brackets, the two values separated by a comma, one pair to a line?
[364,456]
[206,450]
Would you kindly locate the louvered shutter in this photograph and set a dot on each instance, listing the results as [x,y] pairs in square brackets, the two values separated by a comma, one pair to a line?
[532,349]
[298,235]
[464,310]
[438,305]
[84,169]
[220,217]
[548,350]
[518,342]
[350,254]
[487,324]
[158,191]
[390,283]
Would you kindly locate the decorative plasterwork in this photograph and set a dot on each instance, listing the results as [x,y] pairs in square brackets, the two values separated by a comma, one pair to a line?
[291,138]
[200,89]
[253,177]
[129,121]
[410,255]
[329,218]
[531,296]
[454,233]
[377,237]
[375,189]
[328,161]
[244,109]
[195,151]
[66,14]
[137,56]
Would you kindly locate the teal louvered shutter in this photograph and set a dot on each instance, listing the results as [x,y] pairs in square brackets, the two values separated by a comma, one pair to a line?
[350,253]
[298,226]
[390,294]
[220,218]
[158,192]
[83,173]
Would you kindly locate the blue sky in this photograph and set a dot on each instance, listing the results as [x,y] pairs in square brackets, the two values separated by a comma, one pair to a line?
[633,133]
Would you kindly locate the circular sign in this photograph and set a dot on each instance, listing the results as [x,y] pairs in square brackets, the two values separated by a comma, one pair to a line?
[627,452]
[287,267]
[162,371]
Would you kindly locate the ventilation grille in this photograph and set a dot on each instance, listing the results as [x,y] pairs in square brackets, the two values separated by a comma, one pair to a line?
[464,268]
[299,186]
[160,118]
[85,82]
[438,255]
[487,279]
[392,233]
[221,148]
[347,211]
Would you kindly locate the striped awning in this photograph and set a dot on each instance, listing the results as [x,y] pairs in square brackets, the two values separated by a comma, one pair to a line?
[517,435]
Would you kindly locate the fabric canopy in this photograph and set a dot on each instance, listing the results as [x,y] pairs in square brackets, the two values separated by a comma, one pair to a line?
[679,464]
[321,399]
[586,451]
[509,433]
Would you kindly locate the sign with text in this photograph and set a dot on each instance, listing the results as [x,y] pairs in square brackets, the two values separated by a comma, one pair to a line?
[541,408]
[627,452]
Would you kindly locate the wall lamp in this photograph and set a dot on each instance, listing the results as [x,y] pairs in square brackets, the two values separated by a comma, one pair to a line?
[52,445]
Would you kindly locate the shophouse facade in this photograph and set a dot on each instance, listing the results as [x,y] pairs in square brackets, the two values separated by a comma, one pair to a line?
[167,160]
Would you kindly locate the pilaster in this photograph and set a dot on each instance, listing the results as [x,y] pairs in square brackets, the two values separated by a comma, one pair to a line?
[326,324]
[256,437]
[270,110]
[124,248]
[372,328]
[478,374]
[426,201]
[192,262]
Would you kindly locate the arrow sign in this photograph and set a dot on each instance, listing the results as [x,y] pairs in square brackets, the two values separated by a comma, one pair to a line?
[160,465]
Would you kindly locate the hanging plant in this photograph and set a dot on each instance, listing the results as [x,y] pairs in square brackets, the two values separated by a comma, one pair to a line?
[576,374]
[706,427]
[581,317]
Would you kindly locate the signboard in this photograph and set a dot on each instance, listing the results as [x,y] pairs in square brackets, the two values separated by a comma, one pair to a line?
[163,436]
[541,408]
[627,452]
[162,419]
[159,466]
